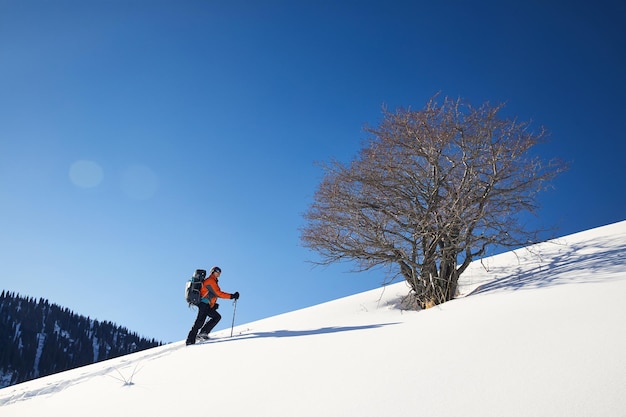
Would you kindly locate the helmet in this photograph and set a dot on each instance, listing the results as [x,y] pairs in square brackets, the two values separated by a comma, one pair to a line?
[216,269]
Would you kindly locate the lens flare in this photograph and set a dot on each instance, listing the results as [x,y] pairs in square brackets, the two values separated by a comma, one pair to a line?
[86,174]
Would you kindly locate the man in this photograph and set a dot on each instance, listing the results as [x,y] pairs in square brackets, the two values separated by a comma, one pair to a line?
[209,293]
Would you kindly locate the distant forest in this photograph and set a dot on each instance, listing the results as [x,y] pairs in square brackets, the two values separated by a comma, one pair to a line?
[38,338]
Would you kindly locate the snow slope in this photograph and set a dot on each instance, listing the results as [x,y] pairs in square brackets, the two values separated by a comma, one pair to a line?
[536,332]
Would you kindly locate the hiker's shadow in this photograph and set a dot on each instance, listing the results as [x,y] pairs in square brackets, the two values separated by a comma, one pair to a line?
[300,333]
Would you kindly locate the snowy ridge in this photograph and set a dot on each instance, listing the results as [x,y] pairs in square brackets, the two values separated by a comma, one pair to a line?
[535,332]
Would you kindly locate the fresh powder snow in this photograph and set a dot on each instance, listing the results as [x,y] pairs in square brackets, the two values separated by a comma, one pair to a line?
[534,332]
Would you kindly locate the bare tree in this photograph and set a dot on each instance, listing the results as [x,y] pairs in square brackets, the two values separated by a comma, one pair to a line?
[430,192]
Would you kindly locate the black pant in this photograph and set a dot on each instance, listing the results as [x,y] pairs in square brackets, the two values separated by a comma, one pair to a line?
[204,311]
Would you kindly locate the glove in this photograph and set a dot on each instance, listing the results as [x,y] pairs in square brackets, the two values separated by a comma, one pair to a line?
[216,306]
[235,296]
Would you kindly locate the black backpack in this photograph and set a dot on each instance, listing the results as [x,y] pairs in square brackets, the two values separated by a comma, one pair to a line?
[192,288]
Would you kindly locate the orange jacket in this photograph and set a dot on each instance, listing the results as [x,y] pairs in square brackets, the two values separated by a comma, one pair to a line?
[211,290]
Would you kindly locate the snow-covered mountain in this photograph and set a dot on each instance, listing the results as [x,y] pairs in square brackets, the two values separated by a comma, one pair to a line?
[39,338]
[537,332]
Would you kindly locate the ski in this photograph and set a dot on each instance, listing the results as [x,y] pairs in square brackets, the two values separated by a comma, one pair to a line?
[237,335]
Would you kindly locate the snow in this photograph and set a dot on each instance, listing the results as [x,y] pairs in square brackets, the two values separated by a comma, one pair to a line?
[537,332]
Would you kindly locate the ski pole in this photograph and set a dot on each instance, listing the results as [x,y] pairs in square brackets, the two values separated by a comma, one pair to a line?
[234,311]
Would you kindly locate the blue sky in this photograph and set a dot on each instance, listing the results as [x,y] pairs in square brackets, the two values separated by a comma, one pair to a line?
[140,140]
